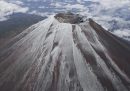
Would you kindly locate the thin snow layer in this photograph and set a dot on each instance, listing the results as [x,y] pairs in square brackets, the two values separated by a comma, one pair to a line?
[54,56]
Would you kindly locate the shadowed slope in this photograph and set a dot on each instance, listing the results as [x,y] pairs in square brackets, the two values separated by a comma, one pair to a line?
[56,56]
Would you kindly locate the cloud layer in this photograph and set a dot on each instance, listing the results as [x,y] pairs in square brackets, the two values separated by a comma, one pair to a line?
[111,14]
[7,8]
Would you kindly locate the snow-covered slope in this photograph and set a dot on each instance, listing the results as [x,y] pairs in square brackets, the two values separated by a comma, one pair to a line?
[56,56]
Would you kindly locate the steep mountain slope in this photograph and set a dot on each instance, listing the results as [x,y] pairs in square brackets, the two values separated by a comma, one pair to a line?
[65,53]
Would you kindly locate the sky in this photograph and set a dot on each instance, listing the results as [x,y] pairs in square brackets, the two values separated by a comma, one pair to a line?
[113,15]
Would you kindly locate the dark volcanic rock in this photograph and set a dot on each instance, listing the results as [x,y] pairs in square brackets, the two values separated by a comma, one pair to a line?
[69,18]
[63,53]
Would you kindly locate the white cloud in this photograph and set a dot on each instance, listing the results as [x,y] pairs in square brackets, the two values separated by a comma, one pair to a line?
[17,2]
[122,33]
[75,6]
[45,14]
[57,4]
[112,3]
[7,8]
[42,7]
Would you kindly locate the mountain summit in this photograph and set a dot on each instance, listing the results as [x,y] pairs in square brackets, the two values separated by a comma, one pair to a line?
[65,53]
